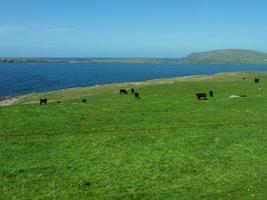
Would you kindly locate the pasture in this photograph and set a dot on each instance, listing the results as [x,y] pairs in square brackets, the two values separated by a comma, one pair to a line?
[165,145]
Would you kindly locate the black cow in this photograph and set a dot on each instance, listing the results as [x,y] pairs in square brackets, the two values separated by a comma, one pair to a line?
[84,101]
[43,101]
[132,90]
[123,91]
[211,93]
[58,102]
[201,96]
[137,96]
[257,80]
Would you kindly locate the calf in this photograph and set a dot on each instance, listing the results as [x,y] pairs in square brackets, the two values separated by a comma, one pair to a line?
[201,96]
[123,91]
[137,96]
[211,93]
[257,80]
[132,90]
[43,101]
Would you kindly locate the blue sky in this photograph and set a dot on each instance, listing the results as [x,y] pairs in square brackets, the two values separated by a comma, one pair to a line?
[129,28]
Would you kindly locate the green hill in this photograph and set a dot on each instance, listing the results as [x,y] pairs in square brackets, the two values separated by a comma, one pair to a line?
[222,56]
[228,56]
[166,145]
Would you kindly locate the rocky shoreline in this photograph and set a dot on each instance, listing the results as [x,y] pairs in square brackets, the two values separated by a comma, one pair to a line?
[8,100]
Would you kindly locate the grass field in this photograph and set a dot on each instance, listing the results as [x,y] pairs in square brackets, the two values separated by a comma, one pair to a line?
[166,145]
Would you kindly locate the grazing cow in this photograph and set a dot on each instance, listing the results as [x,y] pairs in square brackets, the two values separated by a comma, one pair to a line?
[58,102]
[84,101]
[132,90]
[244,78]
[211,93]
[123,91]
[257,80]
[201,96]
[137,96]
[43,101]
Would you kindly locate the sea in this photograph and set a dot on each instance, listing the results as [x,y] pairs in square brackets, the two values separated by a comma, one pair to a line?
[24,78]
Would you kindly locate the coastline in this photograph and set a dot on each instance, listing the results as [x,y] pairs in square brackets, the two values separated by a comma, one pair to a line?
[116,62]
[10,100]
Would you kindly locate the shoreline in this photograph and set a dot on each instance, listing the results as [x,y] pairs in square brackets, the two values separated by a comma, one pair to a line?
[150,63]
[10,100]
[8,97]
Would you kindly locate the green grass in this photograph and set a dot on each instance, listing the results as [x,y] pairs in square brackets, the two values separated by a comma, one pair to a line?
[166,145]
[228,56]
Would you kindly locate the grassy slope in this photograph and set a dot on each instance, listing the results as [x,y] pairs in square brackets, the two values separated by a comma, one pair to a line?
[166,145]
[228,56]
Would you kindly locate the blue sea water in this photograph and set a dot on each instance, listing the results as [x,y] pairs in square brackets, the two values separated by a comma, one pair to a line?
[23,78]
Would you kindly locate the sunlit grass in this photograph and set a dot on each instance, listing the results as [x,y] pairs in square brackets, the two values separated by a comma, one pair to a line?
[166,145]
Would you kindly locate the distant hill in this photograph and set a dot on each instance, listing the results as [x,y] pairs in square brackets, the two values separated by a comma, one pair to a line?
[221,56]
[228,56]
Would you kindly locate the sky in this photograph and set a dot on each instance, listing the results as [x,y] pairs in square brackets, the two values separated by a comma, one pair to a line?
[129,28]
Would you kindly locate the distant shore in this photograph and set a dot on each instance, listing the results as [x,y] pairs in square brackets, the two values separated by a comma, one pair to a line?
[218,56]
[126,61]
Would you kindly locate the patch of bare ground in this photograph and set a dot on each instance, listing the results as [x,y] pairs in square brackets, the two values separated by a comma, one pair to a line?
[7,101]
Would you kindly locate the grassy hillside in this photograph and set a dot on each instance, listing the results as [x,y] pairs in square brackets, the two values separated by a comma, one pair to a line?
[228,56]
[166,145]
